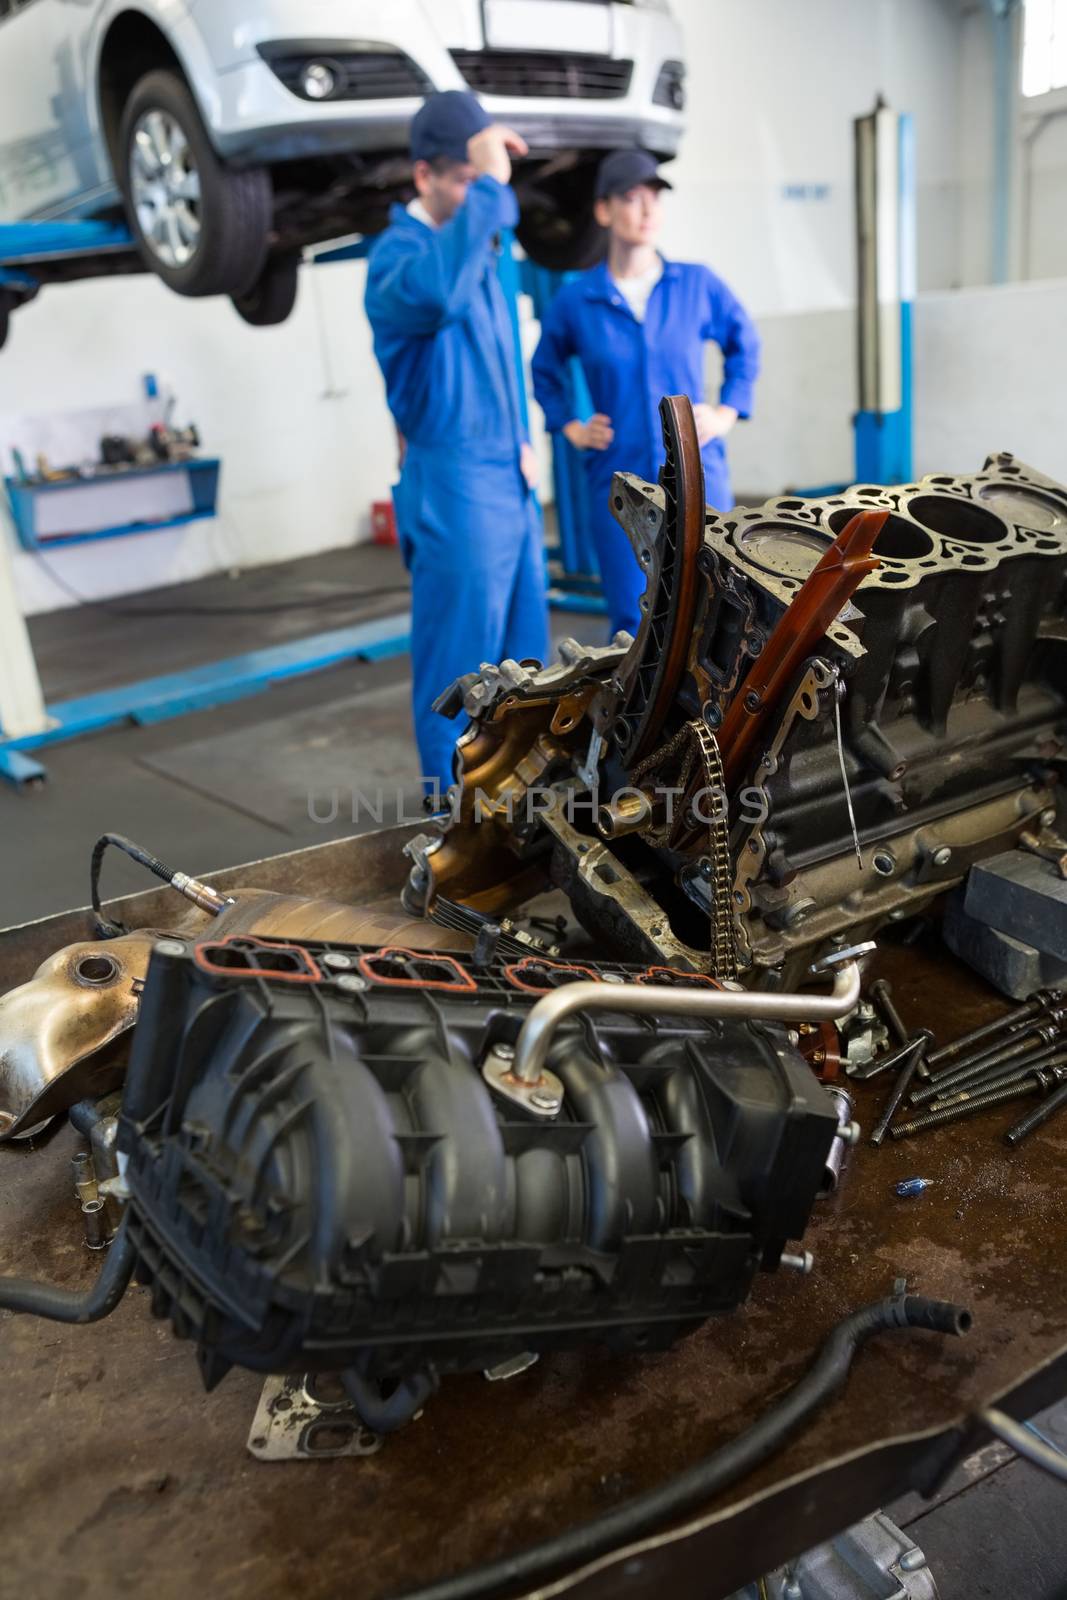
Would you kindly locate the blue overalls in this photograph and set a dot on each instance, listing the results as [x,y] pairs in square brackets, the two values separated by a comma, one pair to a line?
[470,530]
[629,366]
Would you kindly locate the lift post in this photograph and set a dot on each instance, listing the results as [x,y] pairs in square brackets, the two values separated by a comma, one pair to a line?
[886,251]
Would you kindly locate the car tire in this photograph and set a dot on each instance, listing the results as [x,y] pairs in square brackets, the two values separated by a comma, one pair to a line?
[273,296]
[202,226]
[559,242]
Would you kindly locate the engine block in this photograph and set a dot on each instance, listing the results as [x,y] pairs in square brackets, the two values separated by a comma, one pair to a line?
[932,710]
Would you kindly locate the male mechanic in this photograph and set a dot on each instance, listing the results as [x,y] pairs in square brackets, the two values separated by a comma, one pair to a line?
[638,323]
[469,525]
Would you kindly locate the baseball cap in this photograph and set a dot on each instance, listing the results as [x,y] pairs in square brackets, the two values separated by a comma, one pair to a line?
[444,123]
[623,170]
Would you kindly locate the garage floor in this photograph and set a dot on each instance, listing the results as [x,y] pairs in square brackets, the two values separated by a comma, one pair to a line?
[245,780]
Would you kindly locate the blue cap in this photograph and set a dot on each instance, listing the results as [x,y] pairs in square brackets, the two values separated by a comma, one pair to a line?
[444,123]
[623,170]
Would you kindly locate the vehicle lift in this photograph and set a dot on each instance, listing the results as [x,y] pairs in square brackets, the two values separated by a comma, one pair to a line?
[28,725]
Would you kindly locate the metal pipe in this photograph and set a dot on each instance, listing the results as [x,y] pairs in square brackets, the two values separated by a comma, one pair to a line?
[539,1029]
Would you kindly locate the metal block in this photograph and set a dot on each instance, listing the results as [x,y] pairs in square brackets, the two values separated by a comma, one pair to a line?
[875,1560]
[1022,896]
[1011,966]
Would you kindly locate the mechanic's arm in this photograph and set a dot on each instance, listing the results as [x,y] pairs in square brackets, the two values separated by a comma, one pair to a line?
[729,325]
[422,289]
[552,390]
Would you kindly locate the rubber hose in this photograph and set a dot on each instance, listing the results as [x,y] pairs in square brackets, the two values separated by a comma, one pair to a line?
[698,1484]
[61,1305]
[386,1414]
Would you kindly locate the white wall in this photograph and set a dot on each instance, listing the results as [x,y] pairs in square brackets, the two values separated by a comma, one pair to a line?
[297,414]
[774,88]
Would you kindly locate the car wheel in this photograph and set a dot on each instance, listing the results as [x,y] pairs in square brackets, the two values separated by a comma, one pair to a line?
[559,242]
[202,226]
[273,296]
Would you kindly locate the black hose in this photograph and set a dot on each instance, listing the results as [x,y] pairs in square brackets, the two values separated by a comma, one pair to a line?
[61,1305]
[106,928]
[698,1484]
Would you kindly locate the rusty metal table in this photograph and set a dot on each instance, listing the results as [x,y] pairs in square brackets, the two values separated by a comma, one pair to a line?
[122,1477]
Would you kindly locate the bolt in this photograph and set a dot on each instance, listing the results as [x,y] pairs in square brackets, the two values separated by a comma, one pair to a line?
[981,1102]
[504,1052]
[352,983]
[336,960]
[1048,818]
[752,701]
[607,977]
[989,1030]
[1017,1072]
[544,1102]
[912,1561]
[941,856]
[169,947]
[1037,1117]
[882,994]
[1033,1042]
[802,1262]
[902,1085]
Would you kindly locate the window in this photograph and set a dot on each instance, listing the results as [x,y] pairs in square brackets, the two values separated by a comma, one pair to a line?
[1045,46]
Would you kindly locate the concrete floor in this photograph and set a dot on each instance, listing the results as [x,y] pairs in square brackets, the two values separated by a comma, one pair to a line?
[189,791]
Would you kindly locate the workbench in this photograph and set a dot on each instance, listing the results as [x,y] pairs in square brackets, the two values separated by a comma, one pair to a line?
[123,1476]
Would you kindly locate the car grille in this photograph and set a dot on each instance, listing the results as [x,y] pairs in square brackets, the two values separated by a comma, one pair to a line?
[528,76]
[379,74]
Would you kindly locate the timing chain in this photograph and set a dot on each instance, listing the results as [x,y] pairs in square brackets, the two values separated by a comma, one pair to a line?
[698,742]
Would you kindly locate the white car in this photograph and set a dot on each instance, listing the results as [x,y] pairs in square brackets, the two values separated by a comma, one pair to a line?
[234,132]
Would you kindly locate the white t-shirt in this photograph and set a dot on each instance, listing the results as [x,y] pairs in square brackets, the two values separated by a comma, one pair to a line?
[638,291]
[416,209]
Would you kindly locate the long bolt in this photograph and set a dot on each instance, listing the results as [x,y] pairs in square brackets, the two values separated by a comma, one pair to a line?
[1050,1021]
[1037,1117]
[980,1102]
[1041,1040]
[998,1080]
[902,1085]
[881,992]
[1030,1008]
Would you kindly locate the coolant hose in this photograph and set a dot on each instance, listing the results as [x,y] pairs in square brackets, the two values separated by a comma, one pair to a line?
[63,1305]
[698,1484]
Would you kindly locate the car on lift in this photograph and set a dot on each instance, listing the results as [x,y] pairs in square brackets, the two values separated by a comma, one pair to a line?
[232,134]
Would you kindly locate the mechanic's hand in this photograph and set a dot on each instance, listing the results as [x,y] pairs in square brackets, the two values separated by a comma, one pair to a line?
[713,422]
[490,151]
[596,434]
[529,466]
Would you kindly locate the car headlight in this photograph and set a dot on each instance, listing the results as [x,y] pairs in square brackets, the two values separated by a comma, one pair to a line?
[318,80]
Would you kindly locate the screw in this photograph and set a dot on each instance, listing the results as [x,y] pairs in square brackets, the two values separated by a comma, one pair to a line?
[881,993]
[902,1085]
[981,1102]
[1032,1043]
[352,983]
[988,1030]
[1037,1117]
[336,960]
[941,856]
